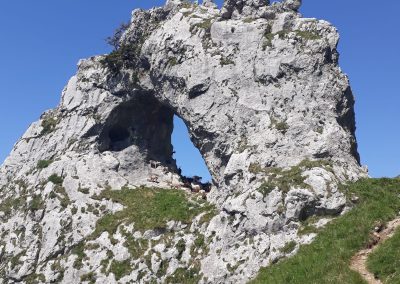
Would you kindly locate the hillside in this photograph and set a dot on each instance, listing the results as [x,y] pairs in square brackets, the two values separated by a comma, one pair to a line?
[327,259]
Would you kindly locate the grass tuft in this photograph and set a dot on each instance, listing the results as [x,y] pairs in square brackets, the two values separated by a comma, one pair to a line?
[42,164]
[120,268]
[57,180]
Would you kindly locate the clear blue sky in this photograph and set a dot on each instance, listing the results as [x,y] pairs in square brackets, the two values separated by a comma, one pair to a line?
[41,42]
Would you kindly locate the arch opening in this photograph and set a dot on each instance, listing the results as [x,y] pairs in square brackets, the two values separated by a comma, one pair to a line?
[188,158]
[143,131]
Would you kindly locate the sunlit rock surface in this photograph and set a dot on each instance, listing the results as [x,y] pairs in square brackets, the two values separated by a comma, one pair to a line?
[266,104]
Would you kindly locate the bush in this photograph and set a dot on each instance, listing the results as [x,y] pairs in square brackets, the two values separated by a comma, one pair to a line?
[42,164]
[115,39]
[123,57]
[48,125]
[56,179]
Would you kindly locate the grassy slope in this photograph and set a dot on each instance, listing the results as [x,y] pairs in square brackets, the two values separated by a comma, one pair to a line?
[385,261]
[149,208]
[327,259]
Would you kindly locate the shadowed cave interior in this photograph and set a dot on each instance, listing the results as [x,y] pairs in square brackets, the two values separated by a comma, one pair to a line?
[157,131]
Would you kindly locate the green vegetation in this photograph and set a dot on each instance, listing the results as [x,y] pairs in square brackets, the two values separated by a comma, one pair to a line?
[62,196]
[187,4]
[89,277]
[255,168]
[199,242]
[226,61]
[9,204]
[249,20]
[206,218]
[15,260]
[172,61]
[49,124]
[148,208]
[205,25]
[37,203]
[266,188]
[126,55]
[79,251]
[183,275]
[289,247]
[306,35]
[308,226]
[123,57]
[136,247]
[268,37]
[42,164]
[181,247]
[35,278]
[327,259]
[84,190]
[120,268]
[285,179]
[57,180]
[281,126]
[115,39]
[385,261]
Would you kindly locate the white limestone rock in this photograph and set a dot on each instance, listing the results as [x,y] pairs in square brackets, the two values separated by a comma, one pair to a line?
[262,94]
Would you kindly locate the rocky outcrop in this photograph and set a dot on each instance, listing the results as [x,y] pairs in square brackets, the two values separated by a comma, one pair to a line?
[266,104]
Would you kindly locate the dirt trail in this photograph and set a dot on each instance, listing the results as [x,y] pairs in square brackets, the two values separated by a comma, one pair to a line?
[359,260]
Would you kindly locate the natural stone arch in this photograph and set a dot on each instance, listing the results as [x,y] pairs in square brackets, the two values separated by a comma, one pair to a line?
[265,103]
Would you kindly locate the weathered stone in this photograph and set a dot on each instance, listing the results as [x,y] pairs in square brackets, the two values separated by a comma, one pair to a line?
[267,106]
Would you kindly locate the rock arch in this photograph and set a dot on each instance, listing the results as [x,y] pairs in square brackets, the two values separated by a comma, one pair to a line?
[265,103]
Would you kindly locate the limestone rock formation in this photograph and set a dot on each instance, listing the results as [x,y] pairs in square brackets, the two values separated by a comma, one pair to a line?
[266,104]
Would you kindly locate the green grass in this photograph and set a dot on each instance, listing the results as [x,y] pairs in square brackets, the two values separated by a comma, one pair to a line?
[327,259]
[182,275]
[79,251]
[281,126]
[57,180]
[289,247]
[89,277]
[205,25]
[37,203]
[9,204]
[42,164]
[121,268]
[284,179]
[148,208]
[306,35]
[49,124]
[385,261]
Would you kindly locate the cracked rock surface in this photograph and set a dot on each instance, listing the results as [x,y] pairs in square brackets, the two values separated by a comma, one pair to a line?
[266,104]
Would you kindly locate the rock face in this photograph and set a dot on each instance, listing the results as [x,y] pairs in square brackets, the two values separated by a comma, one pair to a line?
[266,104]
